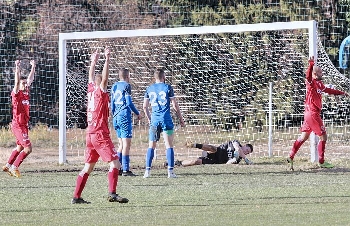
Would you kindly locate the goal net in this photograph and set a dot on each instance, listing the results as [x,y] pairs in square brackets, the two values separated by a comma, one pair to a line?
[220,75]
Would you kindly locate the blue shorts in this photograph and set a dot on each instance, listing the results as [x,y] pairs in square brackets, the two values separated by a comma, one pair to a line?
[157,128]
[123,130]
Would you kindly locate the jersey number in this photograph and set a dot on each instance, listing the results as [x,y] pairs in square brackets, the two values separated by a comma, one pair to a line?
[118,97]
[154,98]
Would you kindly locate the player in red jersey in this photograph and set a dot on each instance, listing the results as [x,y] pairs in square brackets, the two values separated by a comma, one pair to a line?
[20,119]
[312,115]
[98,140]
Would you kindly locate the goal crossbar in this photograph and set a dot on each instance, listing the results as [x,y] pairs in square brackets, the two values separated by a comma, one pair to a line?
[311,26]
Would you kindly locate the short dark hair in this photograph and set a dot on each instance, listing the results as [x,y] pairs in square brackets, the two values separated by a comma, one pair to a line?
[22,77]
[123,73]
[251,146]
[159,74]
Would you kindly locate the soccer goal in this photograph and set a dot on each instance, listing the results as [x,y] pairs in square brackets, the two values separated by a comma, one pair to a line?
[221,76]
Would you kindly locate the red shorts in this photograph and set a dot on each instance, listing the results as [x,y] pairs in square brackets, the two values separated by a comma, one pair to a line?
[313,123]
[21,134]
[99,144]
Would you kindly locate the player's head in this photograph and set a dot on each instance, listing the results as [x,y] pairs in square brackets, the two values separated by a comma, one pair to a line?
[98,79]
[249,149]
[317,73]
[23,83]
[159,75]
[124,74]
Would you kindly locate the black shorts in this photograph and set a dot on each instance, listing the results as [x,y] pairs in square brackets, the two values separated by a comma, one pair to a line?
[219,157]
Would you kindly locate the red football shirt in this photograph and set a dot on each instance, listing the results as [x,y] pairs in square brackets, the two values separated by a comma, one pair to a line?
[314,90]
[20,107]
[97,109]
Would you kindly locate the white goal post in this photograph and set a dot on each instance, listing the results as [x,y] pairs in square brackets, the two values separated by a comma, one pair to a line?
[310,26]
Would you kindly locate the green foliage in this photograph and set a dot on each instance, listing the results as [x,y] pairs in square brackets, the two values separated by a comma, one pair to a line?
[26,28]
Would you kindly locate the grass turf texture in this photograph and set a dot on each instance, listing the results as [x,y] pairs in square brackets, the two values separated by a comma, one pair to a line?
[265,193]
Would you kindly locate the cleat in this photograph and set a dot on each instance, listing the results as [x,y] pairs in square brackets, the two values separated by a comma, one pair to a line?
[171,175]
[128,173]
[290,161]
[113,197]
[120,172]
[7,170]
[15,173]
[165,164]
[189,144]
[147,174]
[79,201]
[326,165]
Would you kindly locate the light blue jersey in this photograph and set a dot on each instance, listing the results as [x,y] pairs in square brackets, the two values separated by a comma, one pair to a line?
[159,95]
[122,107]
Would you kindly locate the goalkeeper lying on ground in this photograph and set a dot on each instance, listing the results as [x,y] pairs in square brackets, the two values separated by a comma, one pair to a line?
[231,152]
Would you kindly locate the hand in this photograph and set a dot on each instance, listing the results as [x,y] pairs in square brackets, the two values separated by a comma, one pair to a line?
[182,123]
[107,52]
[17,63]
[95,56]
[312,58]
[32,62]
[138,117]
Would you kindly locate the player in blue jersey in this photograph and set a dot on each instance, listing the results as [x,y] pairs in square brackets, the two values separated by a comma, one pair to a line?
[122,108]
[231,152]
[159,96]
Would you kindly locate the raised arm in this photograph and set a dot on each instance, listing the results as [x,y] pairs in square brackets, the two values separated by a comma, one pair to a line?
[30,78]
[94,58]
[310,69]
[17,76]
[105,71]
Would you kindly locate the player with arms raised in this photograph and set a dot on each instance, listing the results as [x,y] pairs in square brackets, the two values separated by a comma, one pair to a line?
[98,141]
[122,106]
[20,119]
[312,115]
[159,95]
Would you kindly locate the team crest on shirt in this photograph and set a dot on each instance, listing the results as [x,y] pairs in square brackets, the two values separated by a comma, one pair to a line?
[25,102]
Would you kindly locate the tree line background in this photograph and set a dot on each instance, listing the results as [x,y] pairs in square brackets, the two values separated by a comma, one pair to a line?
[29,29]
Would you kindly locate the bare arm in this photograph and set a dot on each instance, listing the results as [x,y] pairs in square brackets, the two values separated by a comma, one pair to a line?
[105,71]
[177,111]
[309,70]
[94,58]
[146,110]
[17,76]
[30,78]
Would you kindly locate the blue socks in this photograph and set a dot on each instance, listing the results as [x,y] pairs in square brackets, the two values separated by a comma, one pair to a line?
[170,158]
[149,158]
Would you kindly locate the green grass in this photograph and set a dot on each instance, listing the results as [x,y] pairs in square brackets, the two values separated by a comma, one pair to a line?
[262,194]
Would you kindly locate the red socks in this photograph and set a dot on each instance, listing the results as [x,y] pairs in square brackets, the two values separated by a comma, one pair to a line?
[321,148]
[13,156]
[22,155]
[113,180]
[297,144]
[81,181]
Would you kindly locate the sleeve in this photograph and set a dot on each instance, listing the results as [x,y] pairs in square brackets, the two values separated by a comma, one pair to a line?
[309,71]
[171,92]
[131,104]
[333,91]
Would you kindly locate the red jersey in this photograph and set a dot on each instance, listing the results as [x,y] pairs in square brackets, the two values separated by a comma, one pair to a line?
[314,90]
[97,109]
[20,107]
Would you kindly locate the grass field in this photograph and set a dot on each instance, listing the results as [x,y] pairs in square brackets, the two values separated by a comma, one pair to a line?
[265,193]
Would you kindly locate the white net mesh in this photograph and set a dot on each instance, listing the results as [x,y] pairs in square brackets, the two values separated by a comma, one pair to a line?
[221,82]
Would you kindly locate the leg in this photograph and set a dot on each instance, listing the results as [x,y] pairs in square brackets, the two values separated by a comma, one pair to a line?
[192,162]
[126,157]
[321,149]
[168,136]
[297,144]
[81,182]
[149,157]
